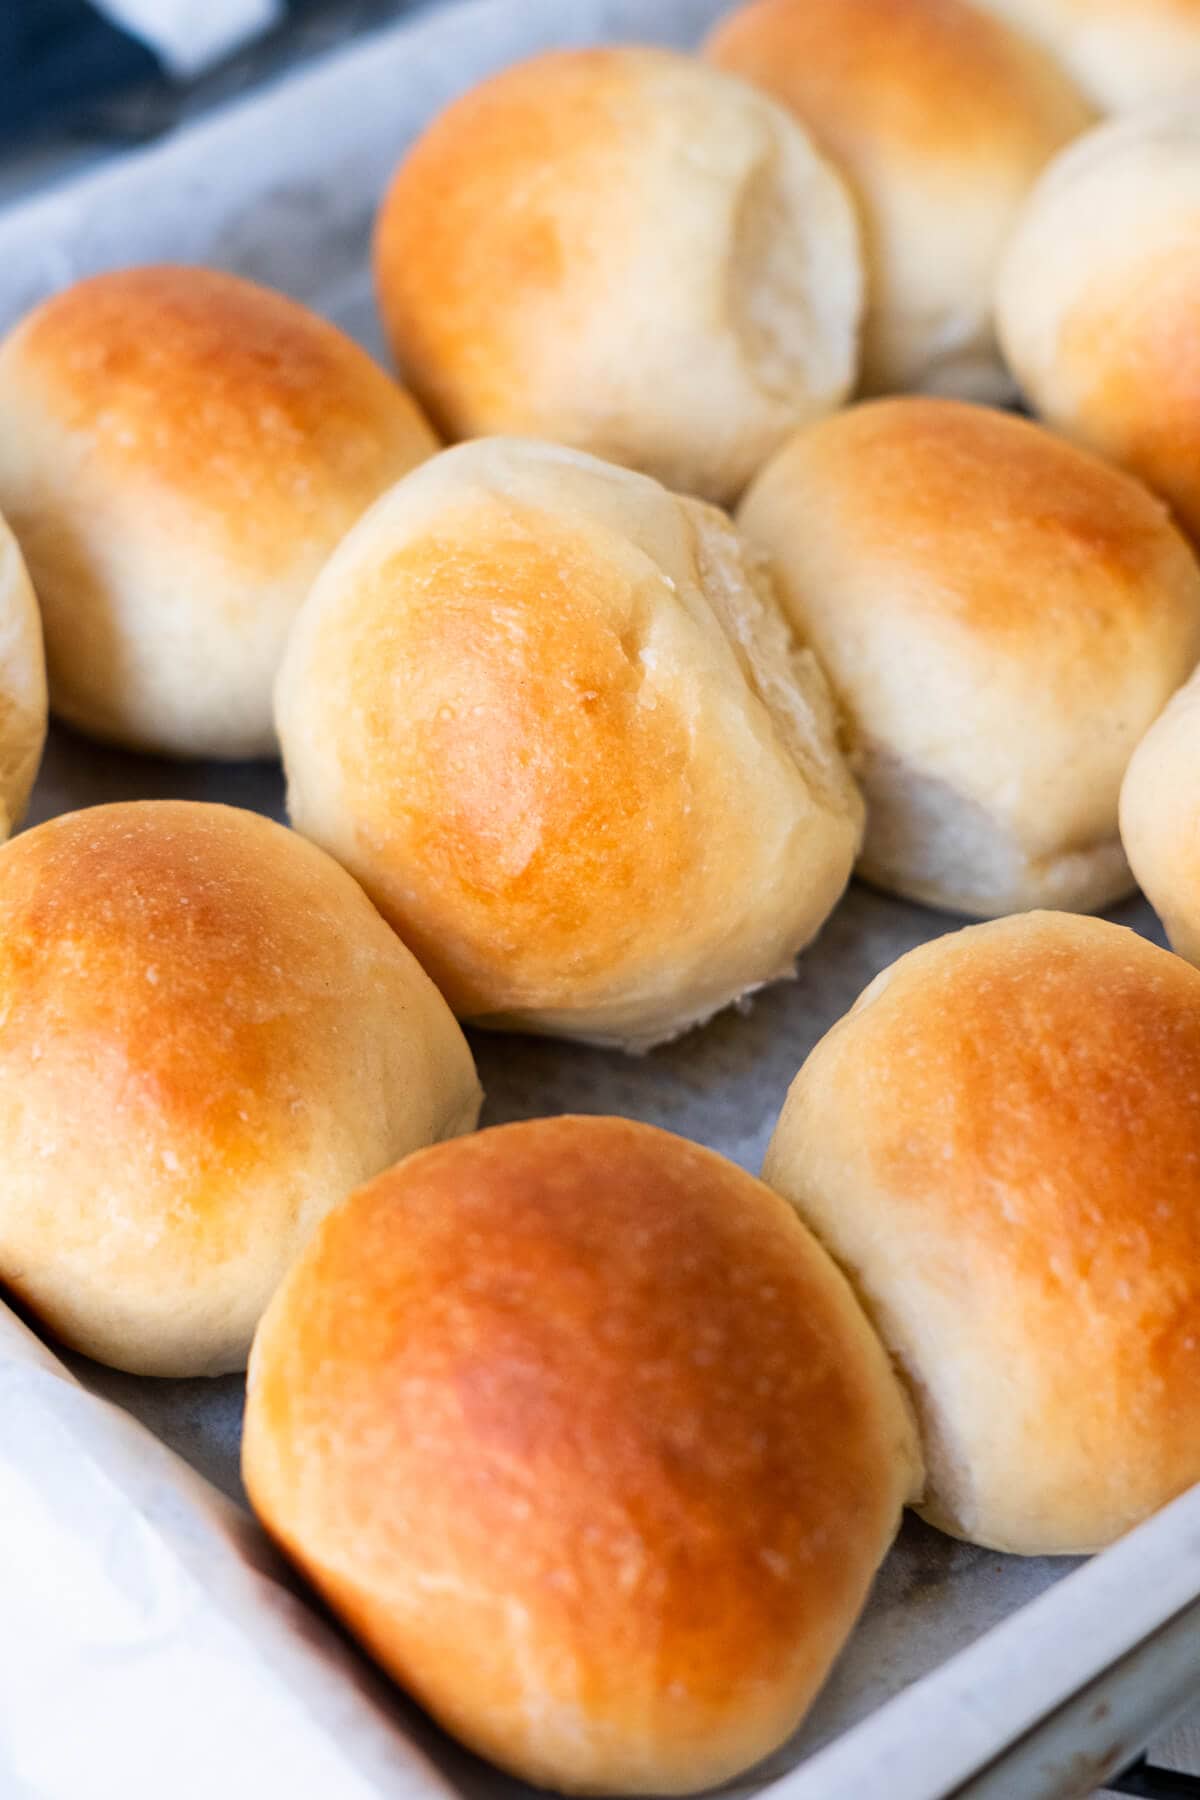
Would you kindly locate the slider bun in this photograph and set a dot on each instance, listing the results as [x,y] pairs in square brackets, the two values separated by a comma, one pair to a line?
[1099,298]
[22,685]
[1000,1144]
[588,1442]
[940,118]
[180,450]
[1001,617]
[552,718]
[1121,52]
[207,1038]
[624,251]
[1160,818]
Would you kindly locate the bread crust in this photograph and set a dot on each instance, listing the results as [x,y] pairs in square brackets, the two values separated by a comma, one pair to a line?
[588,1442]
[208,1037]
[1000,1144]
[1001,616]
[180,450]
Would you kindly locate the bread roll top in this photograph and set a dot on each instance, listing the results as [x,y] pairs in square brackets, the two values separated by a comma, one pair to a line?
[552,717]
[626,251]
[940,118]
[208,1036]
[588,1441]
[1000,1144]
[1001,616]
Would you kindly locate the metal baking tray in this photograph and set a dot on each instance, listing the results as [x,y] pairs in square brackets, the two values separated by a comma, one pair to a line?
[971,1673]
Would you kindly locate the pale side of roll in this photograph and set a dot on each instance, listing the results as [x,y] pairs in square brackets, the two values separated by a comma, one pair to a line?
[941,118]
[1160,818]
[551,716]
[628,252]
[1100,291]
[1001,616]
[180,450]
[208,1037]
[1000,1144]
[587,1441]
[22,685]
[1122,52]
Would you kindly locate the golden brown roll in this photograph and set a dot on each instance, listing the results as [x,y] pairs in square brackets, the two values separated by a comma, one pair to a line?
[1001,617]
[1160,818]
[588,1442]
[628,252]
[180,451]
[1000,1144]
[1121,52]
[208,1037]
[22,685]
[940,117]
[1099,295]
[552,718]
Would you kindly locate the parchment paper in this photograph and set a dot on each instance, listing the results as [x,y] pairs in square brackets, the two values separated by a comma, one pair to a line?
[131,1593]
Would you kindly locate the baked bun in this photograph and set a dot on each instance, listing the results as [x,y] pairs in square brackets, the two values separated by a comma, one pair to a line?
[624,251]
[552,718]
[1160,818]
[22,685]
[180,450]
[1121,52]
[208,1037]
[1099,296]
[589,1443]
[941,118]
[1001,617]
[1000,1144]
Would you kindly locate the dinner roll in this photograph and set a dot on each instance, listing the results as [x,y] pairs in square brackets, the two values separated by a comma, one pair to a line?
[1160,818]
[1001,616]
[180,450]
[1122,52]
[1000,1144]
[22,685]
[589,1443]
[552,718]
[1099,298]
[208,1037]
[941,118]
[627,252]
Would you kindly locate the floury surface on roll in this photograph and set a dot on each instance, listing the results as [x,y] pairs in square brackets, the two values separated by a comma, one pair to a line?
[1160,818]
[180,450]
[1099,296]
[1001,616]
[588,1442]
[940,118]
[1000,1144]
[628,252]
[208,1037]
[552,718]
[22,685]
[1122,52]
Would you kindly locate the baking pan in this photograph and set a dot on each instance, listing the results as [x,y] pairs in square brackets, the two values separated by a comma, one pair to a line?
[138,1602]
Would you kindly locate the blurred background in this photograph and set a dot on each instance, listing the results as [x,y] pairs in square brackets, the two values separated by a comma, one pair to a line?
[80,80]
